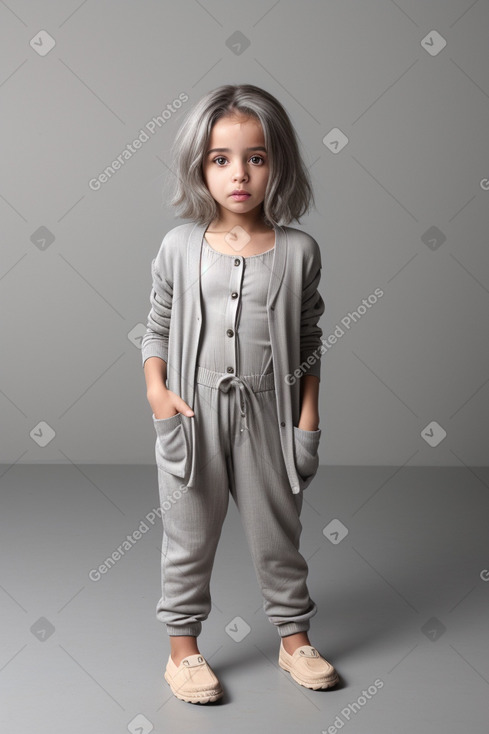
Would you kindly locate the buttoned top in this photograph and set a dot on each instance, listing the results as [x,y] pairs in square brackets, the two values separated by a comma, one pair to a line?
[235,332]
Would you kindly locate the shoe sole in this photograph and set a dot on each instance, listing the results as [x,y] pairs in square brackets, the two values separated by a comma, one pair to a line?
[204,697]
[315,685]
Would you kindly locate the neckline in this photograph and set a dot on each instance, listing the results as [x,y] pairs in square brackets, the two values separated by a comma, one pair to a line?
[225,254]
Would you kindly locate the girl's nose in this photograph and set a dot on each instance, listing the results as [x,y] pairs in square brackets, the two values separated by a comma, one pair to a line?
[239,174]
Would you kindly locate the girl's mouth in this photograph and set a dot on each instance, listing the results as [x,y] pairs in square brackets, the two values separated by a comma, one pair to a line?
[240,197]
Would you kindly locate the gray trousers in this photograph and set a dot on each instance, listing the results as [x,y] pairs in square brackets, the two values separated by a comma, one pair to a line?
[238,452]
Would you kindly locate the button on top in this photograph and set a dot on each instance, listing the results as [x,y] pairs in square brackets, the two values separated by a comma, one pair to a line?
[224,286]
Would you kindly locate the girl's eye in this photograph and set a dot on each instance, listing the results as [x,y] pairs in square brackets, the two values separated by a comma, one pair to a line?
[223,158]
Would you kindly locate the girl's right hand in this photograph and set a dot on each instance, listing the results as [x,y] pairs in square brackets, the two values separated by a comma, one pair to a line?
[165,404]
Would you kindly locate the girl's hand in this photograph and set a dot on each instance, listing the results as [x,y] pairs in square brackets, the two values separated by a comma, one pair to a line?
[165,403]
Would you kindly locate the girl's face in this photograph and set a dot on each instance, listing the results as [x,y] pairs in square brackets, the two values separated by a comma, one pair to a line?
[240,162]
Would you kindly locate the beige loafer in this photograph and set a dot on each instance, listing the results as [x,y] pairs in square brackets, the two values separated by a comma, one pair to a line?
[193,680]
[308,667]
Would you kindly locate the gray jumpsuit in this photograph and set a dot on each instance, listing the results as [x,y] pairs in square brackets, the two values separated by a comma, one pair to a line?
[238,451]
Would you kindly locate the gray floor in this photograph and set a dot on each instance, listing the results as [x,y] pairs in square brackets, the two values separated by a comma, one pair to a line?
[403,607]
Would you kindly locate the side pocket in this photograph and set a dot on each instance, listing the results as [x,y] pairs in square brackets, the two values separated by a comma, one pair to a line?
[306,445]
[171,446]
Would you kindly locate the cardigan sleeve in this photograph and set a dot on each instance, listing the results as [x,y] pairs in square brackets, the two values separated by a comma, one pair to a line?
[311,310]
[155,341]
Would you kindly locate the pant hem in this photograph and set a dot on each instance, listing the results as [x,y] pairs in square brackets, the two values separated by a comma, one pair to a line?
[193,630]
[291,628]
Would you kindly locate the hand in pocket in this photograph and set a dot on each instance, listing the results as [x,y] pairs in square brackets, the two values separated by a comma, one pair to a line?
[165,404]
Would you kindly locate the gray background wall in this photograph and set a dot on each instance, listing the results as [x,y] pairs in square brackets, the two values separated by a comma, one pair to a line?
[403,207]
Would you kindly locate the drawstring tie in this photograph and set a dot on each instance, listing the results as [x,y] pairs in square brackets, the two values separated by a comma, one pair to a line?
[225,382]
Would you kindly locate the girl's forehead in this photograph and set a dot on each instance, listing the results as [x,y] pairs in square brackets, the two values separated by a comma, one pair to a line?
[236,128]
[234,122]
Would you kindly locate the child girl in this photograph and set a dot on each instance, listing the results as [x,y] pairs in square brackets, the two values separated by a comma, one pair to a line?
[231,360]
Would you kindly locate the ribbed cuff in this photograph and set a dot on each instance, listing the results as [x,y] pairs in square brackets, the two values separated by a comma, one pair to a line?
[314,368]
[194,629]
[154,348]
[291,628]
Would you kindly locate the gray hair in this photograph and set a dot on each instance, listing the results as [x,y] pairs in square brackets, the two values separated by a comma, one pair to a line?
[289,192]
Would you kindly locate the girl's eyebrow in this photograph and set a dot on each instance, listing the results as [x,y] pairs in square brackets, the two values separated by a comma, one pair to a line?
[228,150]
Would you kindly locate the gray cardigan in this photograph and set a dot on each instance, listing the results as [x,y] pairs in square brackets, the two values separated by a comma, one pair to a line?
[294,306]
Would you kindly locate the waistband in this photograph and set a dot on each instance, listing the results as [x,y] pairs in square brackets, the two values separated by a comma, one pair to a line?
[258,383]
